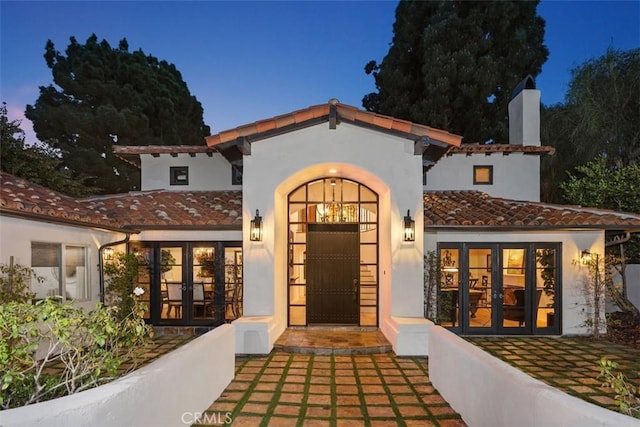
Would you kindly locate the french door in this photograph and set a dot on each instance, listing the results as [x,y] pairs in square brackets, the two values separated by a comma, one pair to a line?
[500,288]
[189,283]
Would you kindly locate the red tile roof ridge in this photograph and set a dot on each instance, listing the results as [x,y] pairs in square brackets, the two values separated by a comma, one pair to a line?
[498,148]
[588,209]
[316,111]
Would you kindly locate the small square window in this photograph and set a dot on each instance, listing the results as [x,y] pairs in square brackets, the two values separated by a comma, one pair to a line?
[179,175]
[483,175]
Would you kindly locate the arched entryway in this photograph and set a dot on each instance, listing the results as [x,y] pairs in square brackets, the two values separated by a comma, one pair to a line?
[333,253]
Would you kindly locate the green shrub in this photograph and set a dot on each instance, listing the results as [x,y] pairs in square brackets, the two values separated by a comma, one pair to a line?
[15,281]
[627,399]
[80,349]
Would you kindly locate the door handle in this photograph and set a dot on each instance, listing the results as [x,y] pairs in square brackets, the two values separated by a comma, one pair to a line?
[185,287]
[497,295]
[355,290]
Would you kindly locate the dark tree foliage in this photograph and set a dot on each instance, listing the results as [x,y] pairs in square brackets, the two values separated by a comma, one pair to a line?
[557,124]
[104,95]
[599,118]
[604,96]
[453,64]
[37,163]
[597,184]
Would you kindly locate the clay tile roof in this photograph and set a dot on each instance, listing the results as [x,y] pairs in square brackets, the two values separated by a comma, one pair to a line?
[136,210]
[500,148]
[474,209]
[173,209]
[19,196]
[345,113]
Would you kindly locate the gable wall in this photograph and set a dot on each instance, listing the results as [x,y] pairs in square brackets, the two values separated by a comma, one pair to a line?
[386,164]
[516,176]
[205,173]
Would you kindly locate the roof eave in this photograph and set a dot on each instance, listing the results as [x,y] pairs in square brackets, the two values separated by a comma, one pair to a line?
[66,221]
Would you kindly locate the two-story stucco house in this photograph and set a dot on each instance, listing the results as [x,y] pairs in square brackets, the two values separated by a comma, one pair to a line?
[324,216]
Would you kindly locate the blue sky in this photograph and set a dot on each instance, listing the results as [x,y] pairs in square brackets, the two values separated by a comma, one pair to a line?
[247,61]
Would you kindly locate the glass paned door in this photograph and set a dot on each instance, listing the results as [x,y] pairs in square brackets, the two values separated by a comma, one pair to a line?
[516,295]
[173,286]
[478,288]
[546,278]
[504,288]
[449,292]
[203,272]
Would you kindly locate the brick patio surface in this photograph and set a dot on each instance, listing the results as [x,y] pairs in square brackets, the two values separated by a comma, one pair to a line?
[567,363]
[291,389]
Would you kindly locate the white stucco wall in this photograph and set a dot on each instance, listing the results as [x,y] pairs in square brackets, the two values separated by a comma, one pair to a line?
[278,165]
[516,176]
[17,235]
[486,391]
[205,173]
[574,305]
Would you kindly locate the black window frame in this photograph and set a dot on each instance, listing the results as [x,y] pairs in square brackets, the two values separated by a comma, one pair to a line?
[174,171]
[477,168]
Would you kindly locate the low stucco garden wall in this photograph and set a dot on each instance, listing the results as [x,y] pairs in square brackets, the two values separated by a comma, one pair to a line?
[486,391]
[172,390]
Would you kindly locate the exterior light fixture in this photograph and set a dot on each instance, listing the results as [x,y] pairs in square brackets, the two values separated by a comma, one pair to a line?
[255,231]
[409,228]
[585,256]
[108,254]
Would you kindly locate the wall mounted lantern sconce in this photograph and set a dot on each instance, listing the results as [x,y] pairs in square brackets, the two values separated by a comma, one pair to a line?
[409,228]
[255,231]
[586,257]
[107,254]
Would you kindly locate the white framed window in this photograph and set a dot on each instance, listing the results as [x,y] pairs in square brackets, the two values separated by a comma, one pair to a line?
[64,269]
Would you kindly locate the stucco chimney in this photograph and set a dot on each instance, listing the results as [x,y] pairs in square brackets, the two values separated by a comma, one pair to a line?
[524,114]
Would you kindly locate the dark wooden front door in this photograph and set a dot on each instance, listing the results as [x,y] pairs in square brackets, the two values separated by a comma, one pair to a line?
[333,273]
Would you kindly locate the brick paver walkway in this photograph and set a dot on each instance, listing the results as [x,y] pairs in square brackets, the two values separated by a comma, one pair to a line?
[567,363]
[285,389]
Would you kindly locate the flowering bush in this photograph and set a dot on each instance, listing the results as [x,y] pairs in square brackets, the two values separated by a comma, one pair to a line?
[51,349]
[121,273]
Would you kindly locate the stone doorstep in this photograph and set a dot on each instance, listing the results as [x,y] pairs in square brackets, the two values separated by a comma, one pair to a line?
[376,342]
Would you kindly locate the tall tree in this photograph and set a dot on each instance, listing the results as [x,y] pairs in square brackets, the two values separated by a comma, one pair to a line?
[599,117]
[104,95]
[37,162]
[604,95]
[453,64]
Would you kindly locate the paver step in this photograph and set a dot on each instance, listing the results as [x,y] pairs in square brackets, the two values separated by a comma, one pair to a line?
[342,340]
